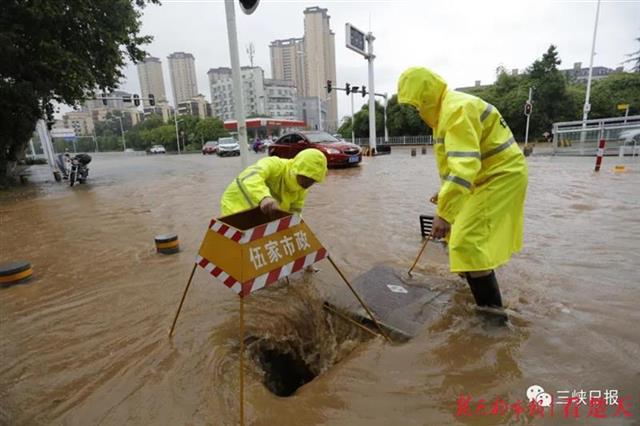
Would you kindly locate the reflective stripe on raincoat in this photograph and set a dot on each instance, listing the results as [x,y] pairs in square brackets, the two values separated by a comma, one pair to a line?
[482,170]
[276,178]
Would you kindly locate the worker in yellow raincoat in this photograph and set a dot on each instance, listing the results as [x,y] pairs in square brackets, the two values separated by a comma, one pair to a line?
[274,183]
[480,204]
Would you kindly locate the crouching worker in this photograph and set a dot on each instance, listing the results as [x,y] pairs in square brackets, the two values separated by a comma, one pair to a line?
[274,183]
[480,204]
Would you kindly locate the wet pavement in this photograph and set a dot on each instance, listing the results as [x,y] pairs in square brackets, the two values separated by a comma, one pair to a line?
[85,342]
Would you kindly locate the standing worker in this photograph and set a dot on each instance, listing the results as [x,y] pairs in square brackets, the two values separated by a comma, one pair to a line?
[273,184]
[480,204]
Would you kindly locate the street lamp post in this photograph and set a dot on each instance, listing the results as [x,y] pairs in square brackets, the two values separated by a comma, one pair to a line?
[587,105]
[175,119]
[124,144]
[528,113]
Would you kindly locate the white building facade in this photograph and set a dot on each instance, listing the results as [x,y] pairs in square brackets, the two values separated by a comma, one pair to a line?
[182,70]
[151,79]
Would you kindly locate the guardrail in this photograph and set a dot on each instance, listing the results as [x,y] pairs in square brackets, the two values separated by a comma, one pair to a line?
[396,140]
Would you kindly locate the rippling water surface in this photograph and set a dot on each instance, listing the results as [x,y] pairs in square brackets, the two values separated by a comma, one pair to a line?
[86,341]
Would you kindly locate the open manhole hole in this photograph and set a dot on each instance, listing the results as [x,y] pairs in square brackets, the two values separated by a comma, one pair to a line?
[299,343]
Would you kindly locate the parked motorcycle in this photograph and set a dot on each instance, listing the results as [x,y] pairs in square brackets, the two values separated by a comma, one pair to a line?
[79,172]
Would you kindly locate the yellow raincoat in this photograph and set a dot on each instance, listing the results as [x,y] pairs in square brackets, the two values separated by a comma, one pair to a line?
[276,178]
[482,170]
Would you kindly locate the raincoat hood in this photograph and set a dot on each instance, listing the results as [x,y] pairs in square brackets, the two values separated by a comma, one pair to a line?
[310,163]
[423,89]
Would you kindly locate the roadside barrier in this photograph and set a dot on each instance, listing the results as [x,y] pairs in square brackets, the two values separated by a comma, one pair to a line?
[600,154]
[15,272]
[167,243]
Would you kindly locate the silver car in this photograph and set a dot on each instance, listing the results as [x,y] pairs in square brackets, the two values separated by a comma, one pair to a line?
[228,147]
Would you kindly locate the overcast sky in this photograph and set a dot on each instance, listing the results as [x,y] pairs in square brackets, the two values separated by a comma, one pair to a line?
[463,41]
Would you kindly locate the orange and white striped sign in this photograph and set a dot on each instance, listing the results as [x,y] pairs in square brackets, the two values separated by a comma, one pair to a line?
[251,259]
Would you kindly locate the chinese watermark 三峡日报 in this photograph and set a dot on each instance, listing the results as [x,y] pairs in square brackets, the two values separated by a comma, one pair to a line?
[598,404]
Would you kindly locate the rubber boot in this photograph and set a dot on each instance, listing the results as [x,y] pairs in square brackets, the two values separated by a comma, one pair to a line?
[486,292]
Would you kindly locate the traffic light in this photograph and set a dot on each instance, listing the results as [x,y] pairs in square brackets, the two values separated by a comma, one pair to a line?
[104,99]
[136,100]
[152,100]
[249,6]
[527,108]
[364,91]
[126,98]
[354,89]
[347,88]
[329,88]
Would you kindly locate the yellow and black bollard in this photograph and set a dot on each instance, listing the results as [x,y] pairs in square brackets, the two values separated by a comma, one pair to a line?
[15,272]
[167,243]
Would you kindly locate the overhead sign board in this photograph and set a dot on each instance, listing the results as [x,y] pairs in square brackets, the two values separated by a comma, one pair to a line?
[355,40]
[63,132]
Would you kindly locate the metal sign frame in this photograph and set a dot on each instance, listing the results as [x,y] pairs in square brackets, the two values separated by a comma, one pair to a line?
[353,38]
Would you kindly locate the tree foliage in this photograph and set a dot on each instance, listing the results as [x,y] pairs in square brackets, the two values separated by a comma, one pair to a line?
[58,51]
[634,59]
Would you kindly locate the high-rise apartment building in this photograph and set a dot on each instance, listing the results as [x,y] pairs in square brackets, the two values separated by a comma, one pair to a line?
[320,61]
[287,62]
[151,79]
[262,97]
[182,70]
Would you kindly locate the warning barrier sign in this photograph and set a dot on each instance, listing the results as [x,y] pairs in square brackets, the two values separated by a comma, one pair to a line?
[248,252]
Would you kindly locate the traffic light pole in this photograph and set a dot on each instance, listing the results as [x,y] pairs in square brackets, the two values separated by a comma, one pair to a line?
[237,83]
[353,132]
[372,94]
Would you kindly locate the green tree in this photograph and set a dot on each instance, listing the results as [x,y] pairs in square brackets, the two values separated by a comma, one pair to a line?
[345,128]
[58,51]
[634,58]
[615,89]
[209,129]
[404,120]
[550,99]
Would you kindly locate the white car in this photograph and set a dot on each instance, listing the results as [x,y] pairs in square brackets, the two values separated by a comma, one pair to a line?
[157,149]
[228,147]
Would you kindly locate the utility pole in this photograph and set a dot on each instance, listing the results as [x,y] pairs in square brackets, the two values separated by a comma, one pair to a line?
[372,94]
[356,40]
[237,83]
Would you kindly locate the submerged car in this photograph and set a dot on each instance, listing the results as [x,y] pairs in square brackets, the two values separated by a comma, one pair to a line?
[211,147]
[338,153]
[228,147]
[157,149]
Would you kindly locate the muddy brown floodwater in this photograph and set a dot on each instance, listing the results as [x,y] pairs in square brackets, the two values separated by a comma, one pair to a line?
[85,342]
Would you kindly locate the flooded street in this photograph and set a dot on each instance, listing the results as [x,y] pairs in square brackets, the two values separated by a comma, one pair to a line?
[85,342]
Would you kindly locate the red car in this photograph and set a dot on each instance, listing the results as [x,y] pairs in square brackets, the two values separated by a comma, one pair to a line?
[210,147]
[338,153]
